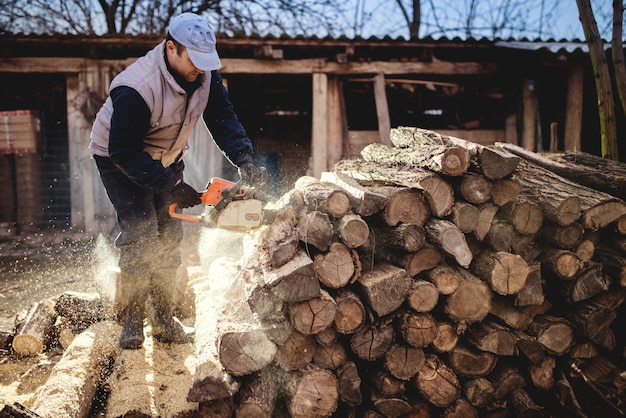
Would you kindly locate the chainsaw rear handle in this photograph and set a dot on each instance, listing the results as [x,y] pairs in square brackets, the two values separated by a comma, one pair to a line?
[184,217]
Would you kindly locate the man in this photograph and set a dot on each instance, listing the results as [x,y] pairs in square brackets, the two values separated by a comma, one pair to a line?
[138,140]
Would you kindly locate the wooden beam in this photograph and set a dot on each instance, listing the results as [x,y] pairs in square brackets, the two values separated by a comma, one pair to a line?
[257,66]
[319,134]
[382,109]
[574,110]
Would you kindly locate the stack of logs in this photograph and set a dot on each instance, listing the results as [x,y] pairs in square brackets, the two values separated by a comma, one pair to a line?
[435,277]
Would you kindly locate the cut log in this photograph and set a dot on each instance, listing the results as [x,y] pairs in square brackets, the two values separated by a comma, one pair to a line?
[330,356]
[349,383]
[486,215]
[352,230]
[384,288]
[500,236]
[364,201]
[296,352]
[517,317]
[470,302]
[404,205]
[326,337]
[469,362]
[258,395]
[495,163]
[506,273]
[460,409]
[407,237]
[479,392]
[211,380]
[594,172]
[542,374]
[386,385]
[31,335]
[447,337]
[372,342]
[281,242]
[418,329]
[523,214]
[350,312]
[438,192]
[506,378]
[445,278]
[555,334]
[71,386]
[423,296]
[445,235]
[416,262]
[296,280]
[613,263]
[335,268]
[445,160]
[492,337]
[590,281]
[17,410]
[404,362]
[311,393]
[523,405]
[592,317]
[465,216]
[475,188]
[316,229]
[391,407]
[244,350]
[566,237]
[324,197]
[81,309]
[563,264]
[313,315]
[437,382]
[504,190]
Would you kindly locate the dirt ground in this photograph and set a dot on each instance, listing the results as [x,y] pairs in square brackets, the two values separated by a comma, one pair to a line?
[40,266]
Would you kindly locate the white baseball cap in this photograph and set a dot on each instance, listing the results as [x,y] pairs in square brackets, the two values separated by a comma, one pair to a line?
[195,33]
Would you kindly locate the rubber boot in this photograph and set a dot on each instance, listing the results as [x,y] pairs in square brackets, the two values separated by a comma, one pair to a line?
[132,330]
[166,328]
[134,293]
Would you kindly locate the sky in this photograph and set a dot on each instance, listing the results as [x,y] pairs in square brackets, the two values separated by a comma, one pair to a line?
[524,18]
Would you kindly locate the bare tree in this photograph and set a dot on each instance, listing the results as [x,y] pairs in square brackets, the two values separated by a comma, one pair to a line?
[604,90]
[99,17]
[617,51]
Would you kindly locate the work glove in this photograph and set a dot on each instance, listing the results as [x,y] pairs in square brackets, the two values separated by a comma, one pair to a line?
[252,175]
[185,196]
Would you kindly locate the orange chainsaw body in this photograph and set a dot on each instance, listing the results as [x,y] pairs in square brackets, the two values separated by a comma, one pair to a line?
[225,209]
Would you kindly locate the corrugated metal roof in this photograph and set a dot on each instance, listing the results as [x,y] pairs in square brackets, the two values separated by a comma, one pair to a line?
[556,47]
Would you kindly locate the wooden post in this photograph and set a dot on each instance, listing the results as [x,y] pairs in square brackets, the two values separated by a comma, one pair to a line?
[382,109]
[529,127]
[337,126]
[574,110]
[319,132]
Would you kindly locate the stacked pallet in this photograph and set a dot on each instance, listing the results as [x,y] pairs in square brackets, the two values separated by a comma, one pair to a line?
[435,277]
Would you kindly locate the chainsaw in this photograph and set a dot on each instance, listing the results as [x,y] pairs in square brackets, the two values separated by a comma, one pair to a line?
[229,205]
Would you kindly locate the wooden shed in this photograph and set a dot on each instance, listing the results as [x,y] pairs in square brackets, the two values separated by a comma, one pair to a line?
[306,103]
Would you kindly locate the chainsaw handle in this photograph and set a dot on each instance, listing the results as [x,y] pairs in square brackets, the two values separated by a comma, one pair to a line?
[190,218]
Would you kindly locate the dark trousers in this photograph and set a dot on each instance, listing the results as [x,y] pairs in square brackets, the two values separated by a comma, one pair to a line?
[149,238]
